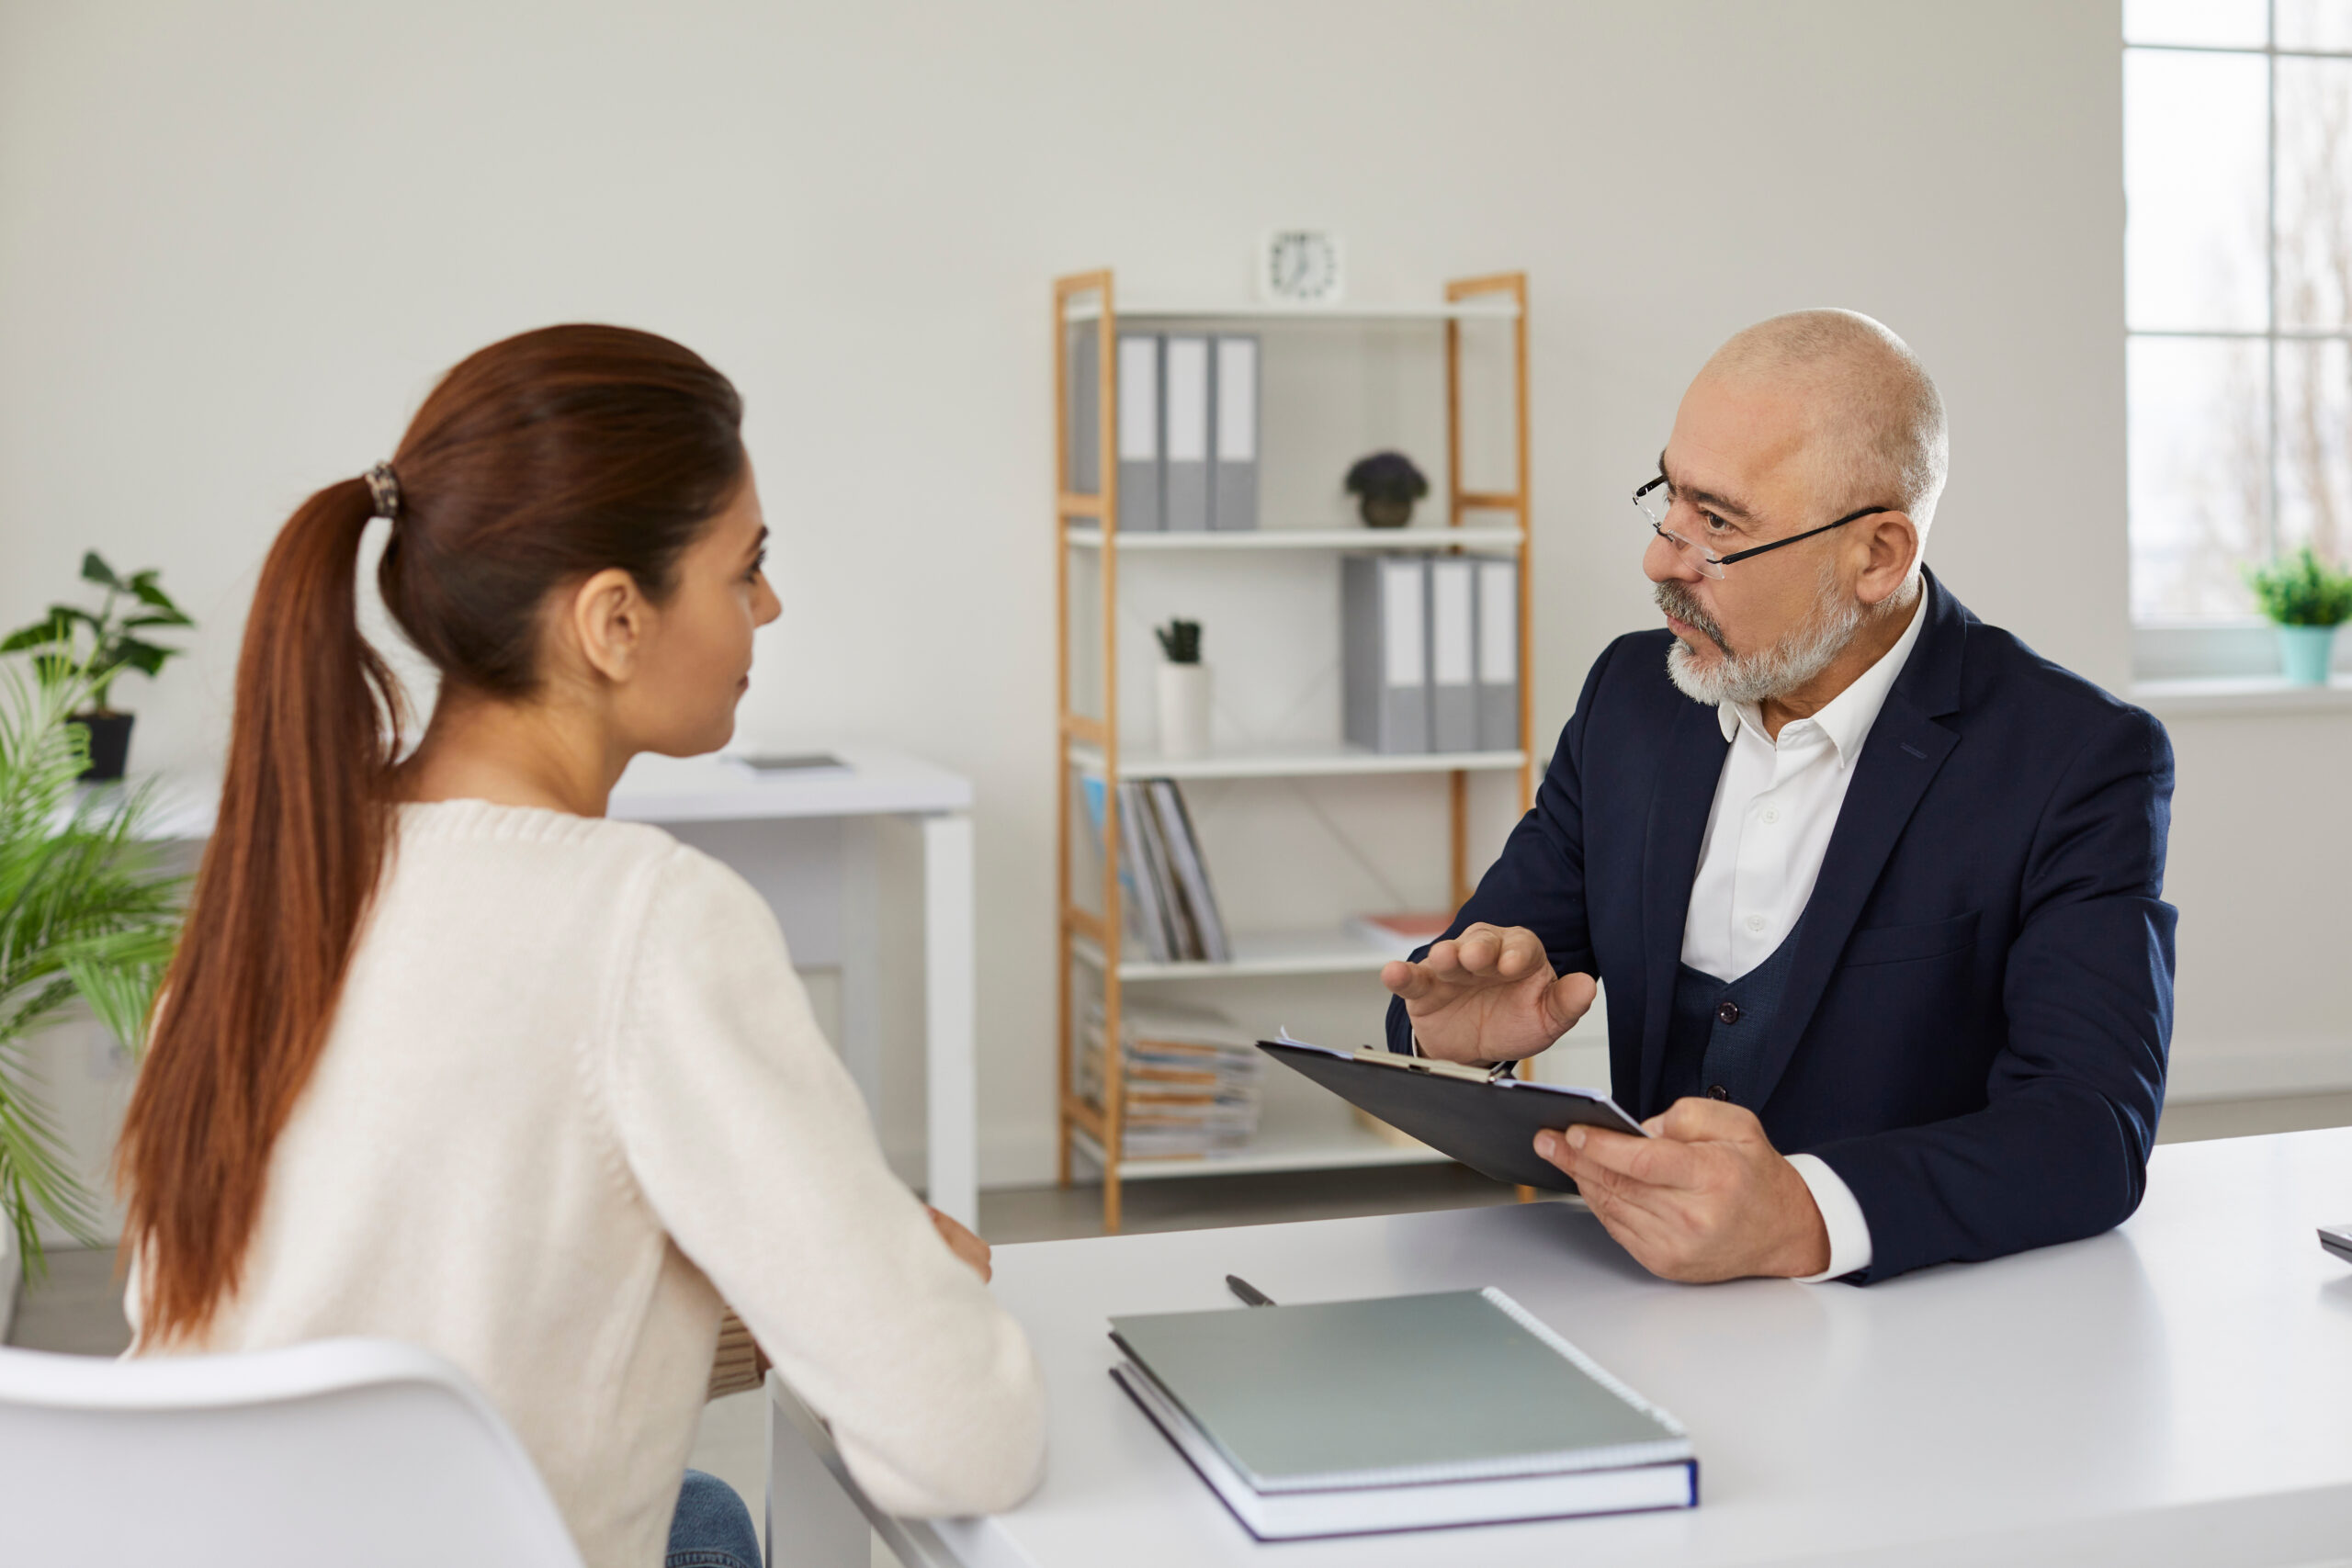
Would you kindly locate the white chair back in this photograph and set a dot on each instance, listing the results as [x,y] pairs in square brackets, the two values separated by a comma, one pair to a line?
[358,1452]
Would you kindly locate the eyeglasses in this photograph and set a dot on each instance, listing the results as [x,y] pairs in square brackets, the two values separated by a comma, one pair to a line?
[1657,504]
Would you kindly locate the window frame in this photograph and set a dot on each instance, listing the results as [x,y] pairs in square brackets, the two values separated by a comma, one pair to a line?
[2172,649]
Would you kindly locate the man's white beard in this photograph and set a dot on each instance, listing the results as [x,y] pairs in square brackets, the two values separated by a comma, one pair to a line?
[1750,679]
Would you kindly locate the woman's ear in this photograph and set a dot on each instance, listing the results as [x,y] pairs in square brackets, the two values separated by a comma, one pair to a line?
[611,620]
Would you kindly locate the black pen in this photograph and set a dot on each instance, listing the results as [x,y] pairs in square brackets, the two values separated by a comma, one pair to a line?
[1250,1294]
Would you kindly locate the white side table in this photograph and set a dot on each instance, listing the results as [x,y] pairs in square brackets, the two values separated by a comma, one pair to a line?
[799,836]
[802,837]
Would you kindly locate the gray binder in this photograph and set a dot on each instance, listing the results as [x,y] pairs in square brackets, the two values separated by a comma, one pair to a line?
[1497,654]
[1085,476]
[1140,433]
[1410,1413]
[1233,453]
[1384,619]
[1453,654]
[1184,426]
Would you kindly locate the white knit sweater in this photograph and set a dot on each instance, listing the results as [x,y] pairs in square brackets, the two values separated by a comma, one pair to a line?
[572,1097]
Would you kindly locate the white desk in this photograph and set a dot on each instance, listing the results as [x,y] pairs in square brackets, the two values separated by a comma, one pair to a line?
[2177,1392]
[797,836]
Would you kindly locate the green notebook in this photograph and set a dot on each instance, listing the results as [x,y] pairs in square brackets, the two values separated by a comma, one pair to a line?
[1459,1386]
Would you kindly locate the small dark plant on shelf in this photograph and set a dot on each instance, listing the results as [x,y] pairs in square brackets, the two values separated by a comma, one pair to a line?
[1181,641]
[72,643]
[1385,486]
[2301,590]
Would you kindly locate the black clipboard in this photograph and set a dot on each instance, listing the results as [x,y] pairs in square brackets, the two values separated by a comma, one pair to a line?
[1487,1123]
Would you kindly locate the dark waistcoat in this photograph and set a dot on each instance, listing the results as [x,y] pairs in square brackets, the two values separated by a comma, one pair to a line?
[1714,1041]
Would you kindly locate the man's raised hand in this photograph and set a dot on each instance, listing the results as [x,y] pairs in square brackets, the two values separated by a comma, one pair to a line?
[1489,995]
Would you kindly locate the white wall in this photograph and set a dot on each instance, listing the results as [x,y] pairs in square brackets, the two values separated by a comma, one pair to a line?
[237,241]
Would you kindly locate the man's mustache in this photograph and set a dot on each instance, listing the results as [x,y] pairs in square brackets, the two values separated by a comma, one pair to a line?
[1675,600]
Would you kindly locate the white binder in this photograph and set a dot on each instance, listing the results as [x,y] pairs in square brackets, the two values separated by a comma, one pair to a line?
[1454,676]
[1139,428]
[1385,693]
[1233,491]
[1184,382]
[1497,654]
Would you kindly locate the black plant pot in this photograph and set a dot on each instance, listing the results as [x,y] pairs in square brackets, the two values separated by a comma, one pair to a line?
[1385,511]
[110,745]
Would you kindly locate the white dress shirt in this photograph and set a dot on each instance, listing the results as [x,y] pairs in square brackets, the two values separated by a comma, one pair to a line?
[1776,804]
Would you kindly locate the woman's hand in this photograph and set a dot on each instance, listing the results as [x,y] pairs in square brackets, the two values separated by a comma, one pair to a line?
[963,1244]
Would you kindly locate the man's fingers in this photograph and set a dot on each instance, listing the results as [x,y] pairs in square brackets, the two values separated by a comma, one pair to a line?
[1410,981]
[1693,1120]
[1566,1000]
[1477,948]
[1654,1162]
[1509,954]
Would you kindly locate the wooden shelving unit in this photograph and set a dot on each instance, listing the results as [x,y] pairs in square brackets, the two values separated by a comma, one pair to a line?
[1089,942]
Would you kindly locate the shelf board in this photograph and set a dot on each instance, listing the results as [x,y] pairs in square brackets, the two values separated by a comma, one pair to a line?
[1329,951]
[1305,539]
[1323,1146]
[1295,762]
[1088,308]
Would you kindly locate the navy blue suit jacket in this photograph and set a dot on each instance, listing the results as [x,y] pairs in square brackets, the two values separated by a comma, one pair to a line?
[1974,1030]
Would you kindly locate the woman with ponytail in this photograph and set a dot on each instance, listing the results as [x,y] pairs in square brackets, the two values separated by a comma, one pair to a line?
[447,1056]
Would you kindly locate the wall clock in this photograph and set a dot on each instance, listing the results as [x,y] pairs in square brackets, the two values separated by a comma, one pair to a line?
[1302,267]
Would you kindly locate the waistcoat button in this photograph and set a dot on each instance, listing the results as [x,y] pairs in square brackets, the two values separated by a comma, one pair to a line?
[1728,1013]
[1717,1091]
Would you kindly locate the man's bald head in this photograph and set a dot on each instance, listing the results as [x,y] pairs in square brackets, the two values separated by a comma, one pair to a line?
[1871,409]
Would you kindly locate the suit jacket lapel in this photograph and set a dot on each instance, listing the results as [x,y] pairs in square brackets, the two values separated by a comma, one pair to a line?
[1693,764]
[1904,751]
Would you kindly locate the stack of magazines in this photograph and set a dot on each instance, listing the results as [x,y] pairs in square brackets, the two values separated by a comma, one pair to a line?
[1190,1087]
[1172,909]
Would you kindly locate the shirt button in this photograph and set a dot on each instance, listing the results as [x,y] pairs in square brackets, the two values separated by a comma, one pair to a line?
[1728,1012]
[1772,814]
[1756,922]
[1717,1091]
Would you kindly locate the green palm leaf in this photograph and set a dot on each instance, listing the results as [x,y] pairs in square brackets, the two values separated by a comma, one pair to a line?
[85,916]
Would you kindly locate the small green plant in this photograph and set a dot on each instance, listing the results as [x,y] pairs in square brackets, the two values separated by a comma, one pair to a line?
[1179,641]
[2301,590]
[74,644]
[85,914]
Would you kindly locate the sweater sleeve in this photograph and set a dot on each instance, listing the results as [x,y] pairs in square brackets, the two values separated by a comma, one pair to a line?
[747,1135]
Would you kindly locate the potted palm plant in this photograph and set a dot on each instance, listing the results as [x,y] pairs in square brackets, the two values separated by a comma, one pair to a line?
[99,646]
[87,917]
[2306,599]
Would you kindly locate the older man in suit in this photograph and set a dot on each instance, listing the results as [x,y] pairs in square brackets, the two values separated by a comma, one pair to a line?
[1875,889]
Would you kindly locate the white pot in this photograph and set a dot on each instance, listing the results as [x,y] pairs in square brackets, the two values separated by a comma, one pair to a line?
[1183,710]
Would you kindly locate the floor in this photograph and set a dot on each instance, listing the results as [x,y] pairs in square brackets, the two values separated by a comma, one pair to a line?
[77,1309]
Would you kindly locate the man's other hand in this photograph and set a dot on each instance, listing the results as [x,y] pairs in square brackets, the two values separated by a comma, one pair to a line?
[1708,1198]
[1488,996]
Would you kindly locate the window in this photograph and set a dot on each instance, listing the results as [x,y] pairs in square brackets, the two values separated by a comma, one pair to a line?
[2237,172]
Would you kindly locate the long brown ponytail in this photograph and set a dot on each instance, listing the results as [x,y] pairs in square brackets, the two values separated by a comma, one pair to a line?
[537,462]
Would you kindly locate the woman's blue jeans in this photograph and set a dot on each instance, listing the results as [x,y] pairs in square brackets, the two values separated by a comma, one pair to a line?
[711,1528]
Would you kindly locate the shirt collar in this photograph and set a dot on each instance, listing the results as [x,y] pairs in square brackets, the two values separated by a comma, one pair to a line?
[1847,717]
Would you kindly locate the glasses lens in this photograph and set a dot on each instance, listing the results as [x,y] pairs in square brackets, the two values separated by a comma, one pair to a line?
[1655,504]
